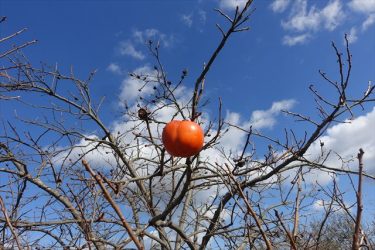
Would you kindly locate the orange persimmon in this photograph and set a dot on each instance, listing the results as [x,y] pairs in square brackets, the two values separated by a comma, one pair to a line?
[182,138]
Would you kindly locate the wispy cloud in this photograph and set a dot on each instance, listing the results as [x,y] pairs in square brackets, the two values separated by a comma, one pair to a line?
[134,45]
[131,86]
[352,35]
[364,6]
[233,139]
[332,15]
[267,118]
[304,19]
[196,19]
[143,36]
[187,20]
[321,205]
[232,4]
[114,68]
[370,20]
[127,48]
[202,16]
[279,5]
[294,40]
[99,156]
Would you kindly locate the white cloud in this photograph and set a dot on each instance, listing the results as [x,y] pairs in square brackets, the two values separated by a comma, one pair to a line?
[364,6]
[224,216]
[294,40]
[196,19]
[279,5]
[332,15]
[267,118]
[353,36]
[345,139]
[302,19]
[187,20]
[202,16]
[114,68]
[136,42]
[127,48]
[142,36]
[232,4]
[98,156]
[233,139]
[342,142]
[320,205]
[130,86]
[305,18]
[149,243]
[370,20]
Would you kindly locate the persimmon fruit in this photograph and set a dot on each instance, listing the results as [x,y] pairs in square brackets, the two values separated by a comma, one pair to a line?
[183,138]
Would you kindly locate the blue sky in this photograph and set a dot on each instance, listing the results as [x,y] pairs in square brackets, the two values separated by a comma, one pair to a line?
[273,63]
[258,67]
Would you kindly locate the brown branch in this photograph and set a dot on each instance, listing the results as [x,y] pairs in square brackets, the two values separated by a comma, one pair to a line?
[114,205]
[17,48]
[297,205]
[357,229]
[183,215]
[327,214]
[251,211]
[175,202]
[14,233]
[13,35]
[179,231]
[237,20]
[290,236]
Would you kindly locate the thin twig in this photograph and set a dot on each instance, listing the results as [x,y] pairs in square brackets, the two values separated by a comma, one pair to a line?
[17,48]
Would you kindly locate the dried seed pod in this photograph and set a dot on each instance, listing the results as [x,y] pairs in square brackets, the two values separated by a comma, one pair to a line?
[143,114]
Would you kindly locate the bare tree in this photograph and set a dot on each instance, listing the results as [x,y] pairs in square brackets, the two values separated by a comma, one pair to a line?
[133,194]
